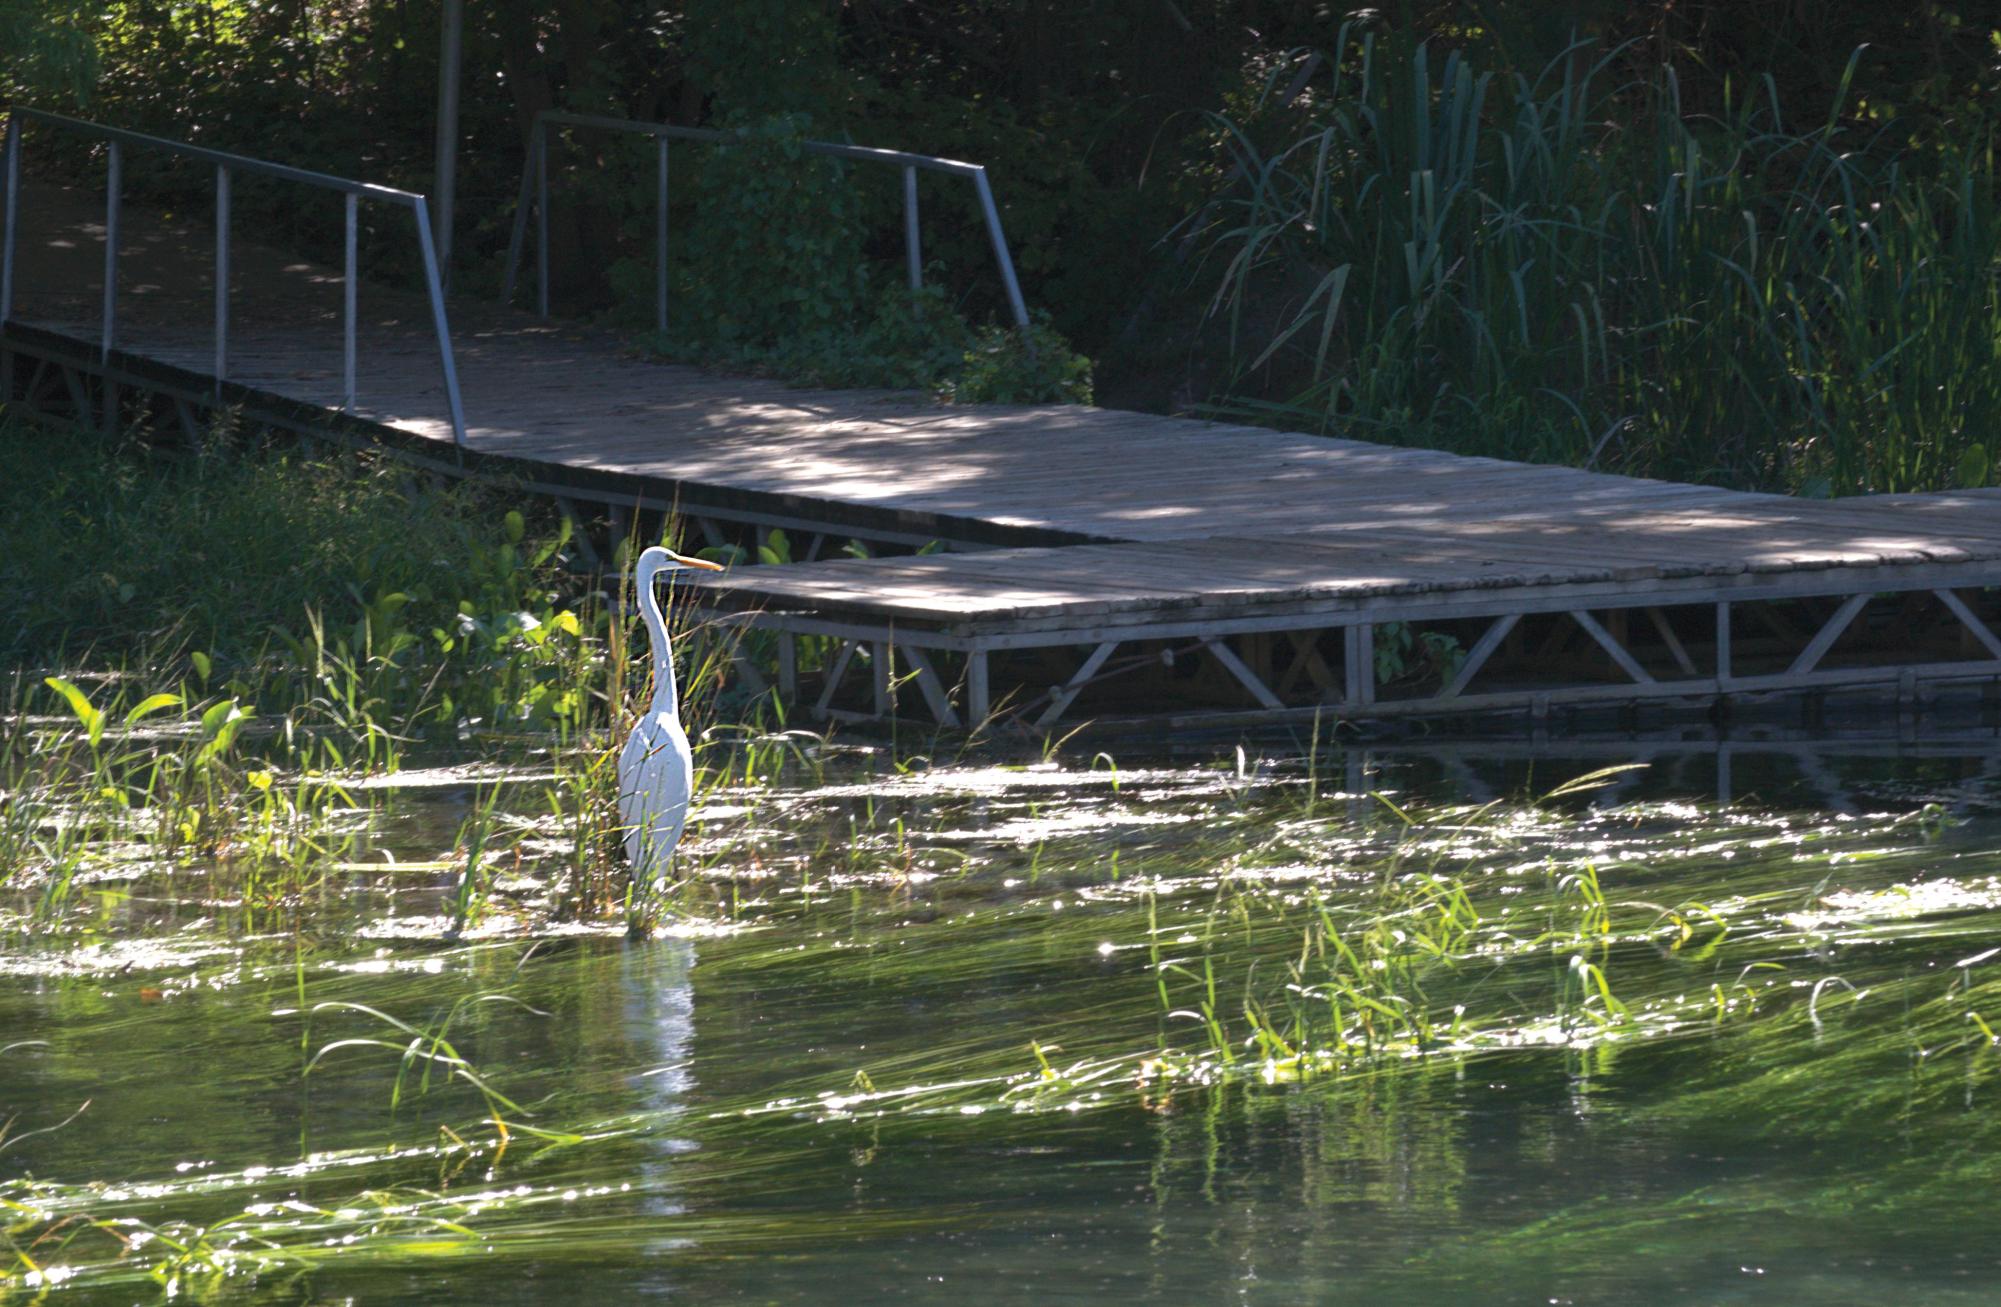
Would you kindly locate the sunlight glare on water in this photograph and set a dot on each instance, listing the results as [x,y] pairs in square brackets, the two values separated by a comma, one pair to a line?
[1171,1032]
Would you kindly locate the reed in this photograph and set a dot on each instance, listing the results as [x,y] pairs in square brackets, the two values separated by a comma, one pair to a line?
[1571,267]
[433,622]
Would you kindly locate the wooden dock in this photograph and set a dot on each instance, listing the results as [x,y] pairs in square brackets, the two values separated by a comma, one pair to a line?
[1089,562]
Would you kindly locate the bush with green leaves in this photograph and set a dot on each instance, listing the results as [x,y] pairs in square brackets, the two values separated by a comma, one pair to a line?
[1006,366]
[901,341]
[777,240]
[777,277]
[911,341]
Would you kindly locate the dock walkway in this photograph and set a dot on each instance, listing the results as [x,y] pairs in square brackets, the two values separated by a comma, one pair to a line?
[1092,560]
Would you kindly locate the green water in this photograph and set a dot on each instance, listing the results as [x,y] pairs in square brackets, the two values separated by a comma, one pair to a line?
[826,1084]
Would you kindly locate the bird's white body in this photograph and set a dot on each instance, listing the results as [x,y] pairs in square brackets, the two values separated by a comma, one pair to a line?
[656,771]
[655,781]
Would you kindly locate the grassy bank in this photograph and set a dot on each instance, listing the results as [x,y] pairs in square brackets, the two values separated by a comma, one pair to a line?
[268,572]
[214,654]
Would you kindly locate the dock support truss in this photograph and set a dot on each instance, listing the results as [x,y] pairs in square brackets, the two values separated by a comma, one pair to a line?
[1797,633]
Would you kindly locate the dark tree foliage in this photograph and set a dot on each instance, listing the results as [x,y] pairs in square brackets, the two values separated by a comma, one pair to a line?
[1097,119]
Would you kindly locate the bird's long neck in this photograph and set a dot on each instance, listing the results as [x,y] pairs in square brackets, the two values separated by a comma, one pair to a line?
[666,695]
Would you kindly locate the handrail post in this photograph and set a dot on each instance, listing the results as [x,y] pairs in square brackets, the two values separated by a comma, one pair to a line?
[535,193]
[541,218]
[436,290]
[518,234]
[226,166]
[444,184]
[913,253]
[1001,255]
[113,183]
[660,254]
[13,147]
[221,278]
[349,304]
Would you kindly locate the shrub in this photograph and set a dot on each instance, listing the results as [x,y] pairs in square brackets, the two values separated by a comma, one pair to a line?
[779,235]
[1005,367]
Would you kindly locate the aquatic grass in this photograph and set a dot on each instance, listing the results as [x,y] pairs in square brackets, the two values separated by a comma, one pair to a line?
[268,805]
[873,981]
[1412,966]
[1406,966]
[399,1230]
[434,620]
[1907,1056]
[184,1259]
[426,1050]
[94,798]
[468,899]
[1570,965]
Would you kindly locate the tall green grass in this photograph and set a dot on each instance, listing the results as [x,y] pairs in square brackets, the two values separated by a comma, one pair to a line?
[206,648]
[1576,268]
[343,591]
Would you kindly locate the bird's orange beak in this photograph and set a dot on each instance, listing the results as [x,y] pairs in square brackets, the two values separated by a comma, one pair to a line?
[701,563]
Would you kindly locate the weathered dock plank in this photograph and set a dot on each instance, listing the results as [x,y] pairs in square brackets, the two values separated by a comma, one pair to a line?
[1101,533]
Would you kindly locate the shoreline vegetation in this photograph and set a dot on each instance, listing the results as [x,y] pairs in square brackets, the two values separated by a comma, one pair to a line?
[232,638]
[1562,265]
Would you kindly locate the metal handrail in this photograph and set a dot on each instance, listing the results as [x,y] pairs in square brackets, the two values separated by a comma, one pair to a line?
[226,164]
[535,189]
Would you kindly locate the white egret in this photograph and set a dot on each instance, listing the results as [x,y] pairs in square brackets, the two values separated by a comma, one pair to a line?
[655,769]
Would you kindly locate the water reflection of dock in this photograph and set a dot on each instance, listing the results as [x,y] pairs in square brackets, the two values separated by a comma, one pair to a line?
[1792,767]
